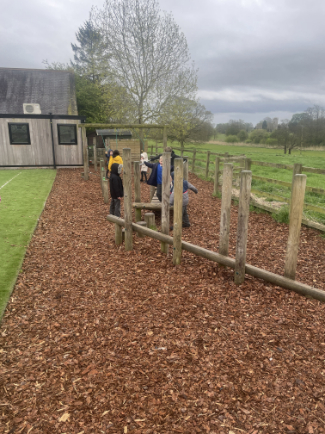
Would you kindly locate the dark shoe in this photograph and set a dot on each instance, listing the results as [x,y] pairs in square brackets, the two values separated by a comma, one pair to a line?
[186,225]
[171,228]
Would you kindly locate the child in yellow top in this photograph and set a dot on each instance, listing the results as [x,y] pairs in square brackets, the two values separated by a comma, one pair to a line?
[115,158]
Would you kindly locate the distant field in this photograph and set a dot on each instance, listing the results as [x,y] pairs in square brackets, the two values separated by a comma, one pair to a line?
[23,194]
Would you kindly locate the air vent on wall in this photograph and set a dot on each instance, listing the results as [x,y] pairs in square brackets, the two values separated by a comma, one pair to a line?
[32,109]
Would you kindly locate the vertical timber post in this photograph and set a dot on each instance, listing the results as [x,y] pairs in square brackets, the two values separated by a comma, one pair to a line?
[137,189]
[95,153]
[185,168]
[248,163]
[296,209]
[105,190]
[207,165]
[164,138]
[193,161]
[225,209]
[85,153]
[178,210]
[242,228]
[216,176]
[165,199]
[150,219]
[127,175]
[118,235]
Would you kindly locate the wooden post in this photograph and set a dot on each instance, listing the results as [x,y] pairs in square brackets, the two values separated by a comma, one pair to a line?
[165,199]
[164,139]
[127,177]
[144,224]
[193,161]
[296,209]
[156,147]
[102,177]
[118,234]
[207,166]
[248,163]
[225,209]
[149,218]
[105,190]
[95,153]
[185,169]
[242,228]
[85,153]
[216,176]
[137,189]
[178,210]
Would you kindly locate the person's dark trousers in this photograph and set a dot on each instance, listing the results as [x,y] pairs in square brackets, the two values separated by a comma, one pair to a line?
[185,218]
[115,207]
[159,192]
[144,175]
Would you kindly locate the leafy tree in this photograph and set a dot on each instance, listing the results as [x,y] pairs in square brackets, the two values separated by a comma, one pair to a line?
[242,135]
[258,136]
[187,120]
[148,55]
[90,56]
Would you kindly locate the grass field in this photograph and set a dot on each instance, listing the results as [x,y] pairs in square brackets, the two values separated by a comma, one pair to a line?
[309,158]
[23,194]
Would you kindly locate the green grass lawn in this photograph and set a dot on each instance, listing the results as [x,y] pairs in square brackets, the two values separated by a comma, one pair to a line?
[22,201]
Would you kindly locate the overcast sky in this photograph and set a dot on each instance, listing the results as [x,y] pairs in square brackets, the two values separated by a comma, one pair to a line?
[256,58]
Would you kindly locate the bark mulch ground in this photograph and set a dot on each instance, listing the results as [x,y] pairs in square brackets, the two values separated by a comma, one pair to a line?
[99,340]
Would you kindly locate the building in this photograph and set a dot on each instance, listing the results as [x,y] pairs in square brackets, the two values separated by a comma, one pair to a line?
[38,119]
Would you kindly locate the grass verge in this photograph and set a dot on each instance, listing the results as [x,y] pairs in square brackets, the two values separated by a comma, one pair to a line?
[23,195]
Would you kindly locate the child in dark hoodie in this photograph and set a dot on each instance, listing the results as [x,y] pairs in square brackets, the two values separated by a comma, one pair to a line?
[116,188]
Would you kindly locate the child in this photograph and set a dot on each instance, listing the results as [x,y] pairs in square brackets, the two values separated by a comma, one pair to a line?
[186,185]
[116,188]
[155,177]
[144,168]
[115,158]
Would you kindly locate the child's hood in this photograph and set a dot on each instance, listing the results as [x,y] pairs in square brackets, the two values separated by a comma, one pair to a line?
[144,155]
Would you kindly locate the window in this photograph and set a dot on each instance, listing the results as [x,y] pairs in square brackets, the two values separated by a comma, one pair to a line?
[19,134]
[67,134]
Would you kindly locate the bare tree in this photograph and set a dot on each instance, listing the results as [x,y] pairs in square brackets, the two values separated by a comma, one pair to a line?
[148,54]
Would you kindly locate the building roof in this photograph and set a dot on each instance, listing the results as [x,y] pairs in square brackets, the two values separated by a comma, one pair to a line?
[113,133]
[53,90]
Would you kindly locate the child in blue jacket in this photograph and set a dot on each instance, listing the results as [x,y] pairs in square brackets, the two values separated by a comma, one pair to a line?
[186,186]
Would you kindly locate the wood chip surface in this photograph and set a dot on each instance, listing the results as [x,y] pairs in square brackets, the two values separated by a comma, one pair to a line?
[99,340]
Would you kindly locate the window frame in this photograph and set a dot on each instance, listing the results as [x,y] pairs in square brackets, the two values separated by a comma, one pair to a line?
[10,133]
[75,130]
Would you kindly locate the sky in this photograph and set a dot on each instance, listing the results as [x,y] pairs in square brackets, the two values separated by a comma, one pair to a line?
[256,58]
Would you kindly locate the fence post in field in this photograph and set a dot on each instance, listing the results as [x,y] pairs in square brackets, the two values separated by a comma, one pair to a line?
[165,207]
[296,209]
[216,176]
[185,169]
[137,189]
[149,218]
[225,209]
[248,163]
[95,153]
[105,189]
[178,210]
[193,161]
[182,150]
[85,153]
[242,228]
[127,176]
[207,165]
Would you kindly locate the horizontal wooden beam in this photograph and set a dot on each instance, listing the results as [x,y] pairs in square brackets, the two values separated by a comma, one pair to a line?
[150,205]
[121,126]
[259,273]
